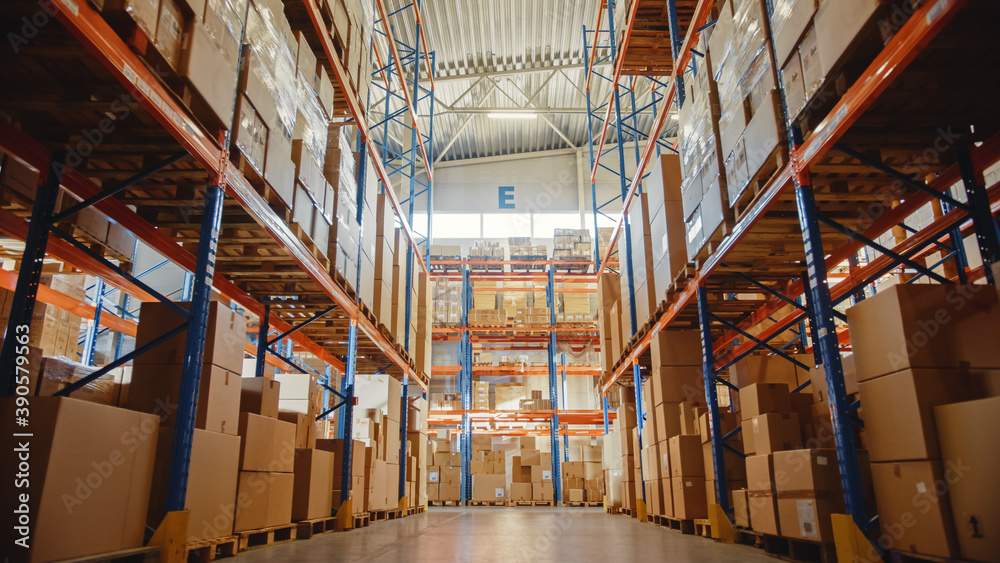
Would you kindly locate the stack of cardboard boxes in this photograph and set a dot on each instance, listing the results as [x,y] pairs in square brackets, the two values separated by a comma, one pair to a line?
[624,474]
[603,241]
[572,245]
[703,193]
[521,249]
[608,320]
[583,481]
[531,472]
[481,395]
[508,396]
[746,75]
[488,469]
[666,223]
[444,477]
[927,362]
[424,324]
[482,251]
[532,317]
[417,458]
[643,291]
[447,302]
[53,330]
[221,456]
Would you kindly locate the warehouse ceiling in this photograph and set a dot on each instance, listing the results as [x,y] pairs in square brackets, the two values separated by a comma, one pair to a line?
[510,56]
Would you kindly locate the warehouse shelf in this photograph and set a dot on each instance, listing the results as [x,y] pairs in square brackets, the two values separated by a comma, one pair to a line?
[546,336]
[865,144]
[176,168]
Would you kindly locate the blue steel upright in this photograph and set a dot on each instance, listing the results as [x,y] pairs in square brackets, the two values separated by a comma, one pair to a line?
[90,344]
[550,302]
[28,279]
[201,294]
[347,426]
[711,396]
[465,387]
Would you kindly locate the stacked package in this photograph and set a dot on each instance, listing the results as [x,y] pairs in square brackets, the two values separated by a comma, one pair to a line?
[531,473]
[704,189]
[673,470]
[666,223]
[926,360]
[447,302]
[444,476]
[573,244]
[750,130]
[583,480]
[53,330]
[237,434]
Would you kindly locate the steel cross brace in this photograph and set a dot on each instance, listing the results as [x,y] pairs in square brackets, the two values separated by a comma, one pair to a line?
[761,343]
[851,233]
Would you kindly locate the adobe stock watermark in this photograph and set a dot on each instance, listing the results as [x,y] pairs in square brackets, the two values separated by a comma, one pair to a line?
[541,546]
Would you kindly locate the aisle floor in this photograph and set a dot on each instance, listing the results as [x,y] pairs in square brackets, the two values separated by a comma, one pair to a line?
[535,535]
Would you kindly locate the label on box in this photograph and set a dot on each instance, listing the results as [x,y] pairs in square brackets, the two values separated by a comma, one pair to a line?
[807,518]
[546,475]
[432,477]
[687,483]
[499,492]
[821,460]
[922,488]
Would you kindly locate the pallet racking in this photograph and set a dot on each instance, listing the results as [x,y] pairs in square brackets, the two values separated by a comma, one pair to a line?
[538,339]
[863,143]
[176,173]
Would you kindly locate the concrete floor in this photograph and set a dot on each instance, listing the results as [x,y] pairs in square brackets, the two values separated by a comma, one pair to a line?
[537,535]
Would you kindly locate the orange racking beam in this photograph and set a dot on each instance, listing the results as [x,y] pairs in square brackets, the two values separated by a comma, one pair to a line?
[916,34]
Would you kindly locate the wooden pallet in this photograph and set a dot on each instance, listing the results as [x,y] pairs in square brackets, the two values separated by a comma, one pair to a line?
[264,537]
[309,528]
[792,549]
[209,550]
[581,504]
[380,515]
[681,525]
[487,503]
[137,555]
[444,503]
[307,241]
[761,179]
[612,509]
[702,527]
[746,536]
[901,557]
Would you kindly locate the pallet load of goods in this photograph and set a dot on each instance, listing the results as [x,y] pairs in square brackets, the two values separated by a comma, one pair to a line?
[574,307]
[444,475]
[583,480]
[521,250]
[573,245]
[260,464]
[658,245]
[531,474]
[481,253]
[447,302]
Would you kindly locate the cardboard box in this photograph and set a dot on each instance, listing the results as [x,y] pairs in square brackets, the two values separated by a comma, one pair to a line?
[686,457]
[818,377]
[90,495]
[775,432]
[209,70]
[305,428]
[761,497]
[899,421]
[789,21]
[689,498]
[542,491]
[450,491]
[540,474]
[336,447]
[169,32]
[520,491]
[489,487]
[923,325]
[912,514]
[762,398]
[211,484]
[143,12]
[312,484]
[807,483]
[223,345]
[974,495]
[259,395]
[18,177]
[837,24]
[674,384]
[728,421]
[676,348]
[530,457]
[268,444]
[263,500]
[741,509]
[770,369]
[157,390]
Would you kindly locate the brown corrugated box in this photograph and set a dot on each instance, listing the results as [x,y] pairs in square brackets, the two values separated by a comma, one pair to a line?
[761,498]
[688,494]
[263,500]
[312,484]
[970,456]
[899,420]
[774,432]
[268,444]
[223,344]
[211,484]
[762,398]
[923,325]
[914,514]
[259,395]
[90,495]
[156,390]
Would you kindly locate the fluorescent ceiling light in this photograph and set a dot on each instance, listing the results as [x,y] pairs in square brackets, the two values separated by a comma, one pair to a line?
[512,115]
